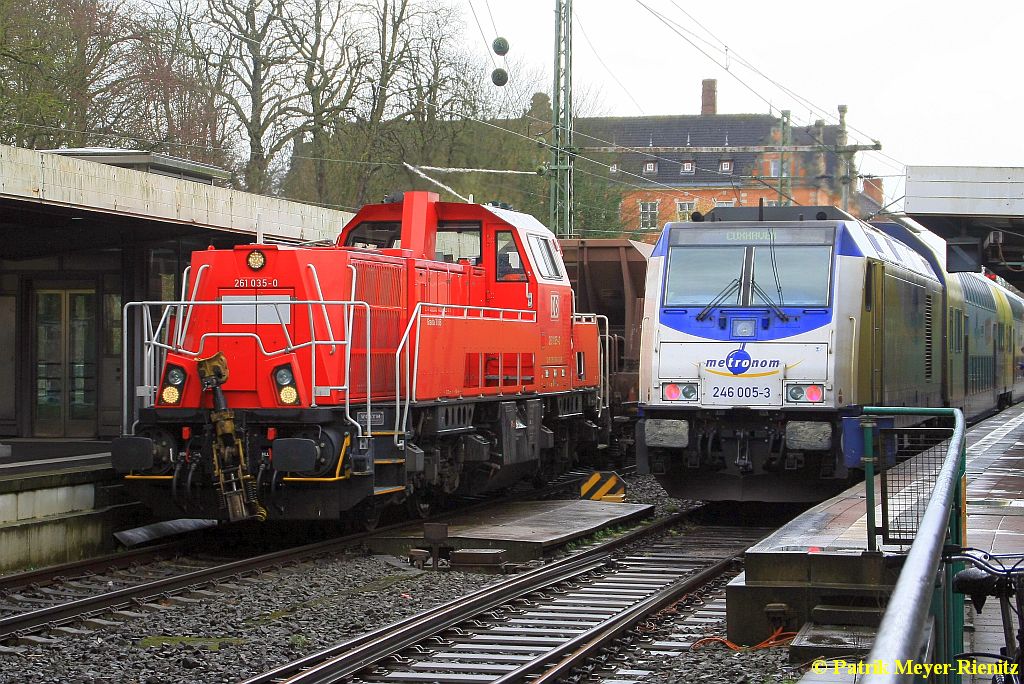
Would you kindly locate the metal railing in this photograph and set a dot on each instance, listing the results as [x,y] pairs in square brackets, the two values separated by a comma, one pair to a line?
[407,354]
[924,589]
[158,339]
[604,352]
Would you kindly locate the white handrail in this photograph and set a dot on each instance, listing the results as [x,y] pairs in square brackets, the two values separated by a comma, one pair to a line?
[151,345]
[323,307]
[184,292]
[195,291]
[348,360]
[402,409]
[603,363]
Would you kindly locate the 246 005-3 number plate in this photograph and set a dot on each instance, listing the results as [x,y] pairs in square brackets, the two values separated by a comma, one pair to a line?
[738,391]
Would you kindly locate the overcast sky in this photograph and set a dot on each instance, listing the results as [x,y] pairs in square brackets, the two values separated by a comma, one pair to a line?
[936,82]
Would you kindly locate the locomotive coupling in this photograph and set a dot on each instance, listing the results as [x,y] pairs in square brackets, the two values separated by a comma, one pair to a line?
[230,468]
[213,370]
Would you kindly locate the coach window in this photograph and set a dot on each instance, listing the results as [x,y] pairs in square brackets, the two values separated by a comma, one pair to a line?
[458,243]
[507,258]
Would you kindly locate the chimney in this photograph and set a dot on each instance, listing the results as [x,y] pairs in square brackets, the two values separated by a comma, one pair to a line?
[874,189]
[709,96]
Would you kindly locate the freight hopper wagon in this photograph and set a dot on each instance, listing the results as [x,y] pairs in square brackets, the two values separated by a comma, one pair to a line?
[433,350]
[762,340]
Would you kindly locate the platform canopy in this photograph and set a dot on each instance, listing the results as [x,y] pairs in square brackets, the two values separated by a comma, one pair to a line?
[978,210]
[70,201]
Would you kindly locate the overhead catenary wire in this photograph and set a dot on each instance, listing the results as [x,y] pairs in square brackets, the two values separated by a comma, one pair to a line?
[679,33]
[649,182]
[434,181]
[448,169]
[602,62]
[788,91]
[483,35]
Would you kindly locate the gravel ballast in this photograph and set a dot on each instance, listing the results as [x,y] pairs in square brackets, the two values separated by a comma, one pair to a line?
[257,624]
[251,628]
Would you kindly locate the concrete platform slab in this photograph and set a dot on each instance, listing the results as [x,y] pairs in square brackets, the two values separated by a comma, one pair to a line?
[821,556]
[524,529]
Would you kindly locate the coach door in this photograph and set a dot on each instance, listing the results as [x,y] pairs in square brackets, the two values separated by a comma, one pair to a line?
[872,335]
[64,363]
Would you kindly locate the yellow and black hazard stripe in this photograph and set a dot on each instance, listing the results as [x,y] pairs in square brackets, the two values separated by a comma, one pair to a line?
[603,485]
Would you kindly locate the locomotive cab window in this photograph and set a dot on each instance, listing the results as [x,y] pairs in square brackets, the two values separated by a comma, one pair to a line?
[749,267]
[508,260]
[548,263]
[458,243]
[792,275]
[375,235]
[697,275]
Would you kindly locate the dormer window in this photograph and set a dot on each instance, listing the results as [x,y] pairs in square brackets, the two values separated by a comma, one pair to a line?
[650,168]
[687,168]
[725,166]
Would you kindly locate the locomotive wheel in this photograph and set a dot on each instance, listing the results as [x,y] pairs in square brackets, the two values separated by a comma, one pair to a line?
[419,505]
[367,516]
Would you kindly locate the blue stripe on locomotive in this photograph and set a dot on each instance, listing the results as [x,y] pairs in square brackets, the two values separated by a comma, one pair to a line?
[770,327]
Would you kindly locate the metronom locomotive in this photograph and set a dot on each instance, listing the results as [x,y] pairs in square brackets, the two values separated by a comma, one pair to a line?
[433,350]
[764,334]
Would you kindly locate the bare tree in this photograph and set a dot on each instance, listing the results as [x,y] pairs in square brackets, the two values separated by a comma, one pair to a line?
[178,96]
[246,40]
[65,74]
[330,47]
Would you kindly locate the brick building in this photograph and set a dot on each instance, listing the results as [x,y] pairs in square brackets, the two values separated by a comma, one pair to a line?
[671,166]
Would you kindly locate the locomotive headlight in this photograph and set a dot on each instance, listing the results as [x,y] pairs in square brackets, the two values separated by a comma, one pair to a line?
[288,395]
[675,391]
[284,376]
[175,376]
[744,327]
[170,395]
[808,394]
[256,260]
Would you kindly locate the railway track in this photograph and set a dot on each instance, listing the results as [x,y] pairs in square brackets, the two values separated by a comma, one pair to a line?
[142,580]
[538,626]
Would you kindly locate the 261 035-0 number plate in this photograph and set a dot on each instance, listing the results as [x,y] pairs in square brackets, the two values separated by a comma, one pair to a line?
[718,390]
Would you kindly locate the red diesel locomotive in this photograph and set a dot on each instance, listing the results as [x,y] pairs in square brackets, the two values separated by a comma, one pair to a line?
[434,349]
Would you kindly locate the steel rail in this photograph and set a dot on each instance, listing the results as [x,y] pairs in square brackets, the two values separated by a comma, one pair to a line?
[54,573]
[341,660]
[576,651]
[63,613]
[125,597]
[355,655]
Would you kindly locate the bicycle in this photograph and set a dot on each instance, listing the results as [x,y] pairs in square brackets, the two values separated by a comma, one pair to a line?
[1000,576]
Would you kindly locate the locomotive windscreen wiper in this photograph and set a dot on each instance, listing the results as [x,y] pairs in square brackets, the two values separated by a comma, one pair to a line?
[719,298]
[768,300]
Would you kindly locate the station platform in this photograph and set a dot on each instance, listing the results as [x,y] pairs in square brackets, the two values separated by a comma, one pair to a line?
[524,529]
[60,505]
[27,449]
[817,569]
